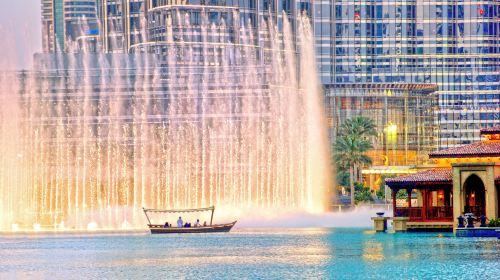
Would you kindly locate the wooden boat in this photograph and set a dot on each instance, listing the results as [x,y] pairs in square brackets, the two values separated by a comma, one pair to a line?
[161,229]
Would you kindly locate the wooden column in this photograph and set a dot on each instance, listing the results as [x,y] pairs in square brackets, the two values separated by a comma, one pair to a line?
[409,202]
[424,204]
[409,197]
[394,191]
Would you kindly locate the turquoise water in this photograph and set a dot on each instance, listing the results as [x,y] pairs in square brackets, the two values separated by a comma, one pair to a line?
[251,254]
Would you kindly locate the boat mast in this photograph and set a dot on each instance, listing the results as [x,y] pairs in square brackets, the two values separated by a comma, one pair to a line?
[212,217]
[145,213]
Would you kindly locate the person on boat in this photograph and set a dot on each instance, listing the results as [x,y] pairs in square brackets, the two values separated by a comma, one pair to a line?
[205,223]
[166,225]
[180,222]
[197,224]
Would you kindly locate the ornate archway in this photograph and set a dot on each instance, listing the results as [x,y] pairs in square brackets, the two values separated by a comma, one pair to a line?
[475,198]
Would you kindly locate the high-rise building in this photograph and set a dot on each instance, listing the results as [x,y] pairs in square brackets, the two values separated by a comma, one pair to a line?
[119,25]
[454,44]
[124,23]
[67,24]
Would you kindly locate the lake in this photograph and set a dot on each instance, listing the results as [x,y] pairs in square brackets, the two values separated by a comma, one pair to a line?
[277,253]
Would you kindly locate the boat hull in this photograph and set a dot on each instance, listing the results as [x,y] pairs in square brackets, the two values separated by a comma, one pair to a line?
[159,229]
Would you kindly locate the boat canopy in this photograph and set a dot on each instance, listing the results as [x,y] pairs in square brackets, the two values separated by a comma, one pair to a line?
[179,211]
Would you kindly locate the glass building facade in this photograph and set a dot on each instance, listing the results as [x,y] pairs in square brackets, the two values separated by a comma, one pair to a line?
[65,22]
[453,44]
[404,115]
[126,23]
[122,24]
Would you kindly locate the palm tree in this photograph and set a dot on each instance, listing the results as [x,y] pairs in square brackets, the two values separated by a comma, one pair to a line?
[361,127]
[351,145]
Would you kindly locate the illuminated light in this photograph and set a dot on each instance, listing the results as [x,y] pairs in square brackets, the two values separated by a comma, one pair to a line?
[392,129]
[473,195]
[125,224]
[37,227]
[92,226]
[373,252]
[15,227]
[388,171]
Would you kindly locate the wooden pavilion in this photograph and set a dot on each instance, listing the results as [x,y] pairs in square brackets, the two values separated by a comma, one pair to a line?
[466,179]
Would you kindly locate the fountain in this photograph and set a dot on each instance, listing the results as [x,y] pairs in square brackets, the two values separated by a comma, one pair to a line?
[86,140]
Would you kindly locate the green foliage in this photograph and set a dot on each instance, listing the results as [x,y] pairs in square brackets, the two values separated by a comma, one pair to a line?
[358,186]
[381,193]
[402,194]
[358,126]
[349,151]
[362,193]
[351,145]
[494,223]
[382,181]
[342,178]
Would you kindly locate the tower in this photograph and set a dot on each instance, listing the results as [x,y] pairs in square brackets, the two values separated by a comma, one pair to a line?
[68,24]
[452,44]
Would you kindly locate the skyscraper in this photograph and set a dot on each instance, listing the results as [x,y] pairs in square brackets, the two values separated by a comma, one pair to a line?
[454,44]
[124,23]
[67,21]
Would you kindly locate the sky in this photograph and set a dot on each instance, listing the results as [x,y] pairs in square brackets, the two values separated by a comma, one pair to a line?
[20,32]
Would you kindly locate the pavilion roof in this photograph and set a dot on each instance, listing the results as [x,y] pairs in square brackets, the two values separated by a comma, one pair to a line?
[478,149]
[437,176]
[491,130]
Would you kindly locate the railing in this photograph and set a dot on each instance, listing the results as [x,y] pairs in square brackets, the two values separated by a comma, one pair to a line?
[401,212]
[414,213]
[443,213]
[440,213]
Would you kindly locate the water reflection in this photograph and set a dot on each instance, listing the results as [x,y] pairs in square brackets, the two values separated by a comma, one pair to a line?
[250,254]
[373,251]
